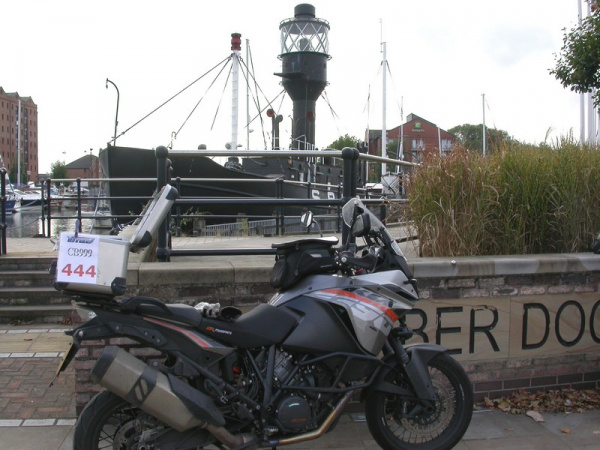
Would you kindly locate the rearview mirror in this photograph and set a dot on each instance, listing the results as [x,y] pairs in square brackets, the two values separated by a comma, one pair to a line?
[307,219]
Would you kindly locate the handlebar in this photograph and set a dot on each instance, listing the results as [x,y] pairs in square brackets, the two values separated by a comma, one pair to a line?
[366,262]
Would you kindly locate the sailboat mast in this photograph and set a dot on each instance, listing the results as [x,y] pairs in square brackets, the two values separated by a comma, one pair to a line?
[19,144]
[247,94]
[236,43]
[401,152]
[383,130]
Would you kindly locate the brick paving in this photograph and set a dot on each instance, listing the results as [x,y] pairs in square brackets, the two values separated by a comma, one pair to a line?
[28,362]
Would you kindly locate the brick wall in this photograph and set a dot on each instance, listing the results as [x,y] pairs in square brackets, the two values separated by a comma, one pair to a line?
[514,323]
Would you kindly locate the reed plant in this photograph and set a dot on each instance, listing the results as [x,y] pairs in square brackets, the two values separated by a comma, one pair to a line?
[520,199]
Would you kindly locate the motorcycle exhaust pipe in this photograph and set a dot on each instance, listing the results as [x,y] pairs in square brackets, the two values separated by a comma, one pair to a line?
[337,410]
[165,397]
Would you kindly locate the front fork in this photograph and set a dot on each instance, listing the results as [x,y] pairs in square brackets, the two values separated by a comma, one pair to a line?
[414,358]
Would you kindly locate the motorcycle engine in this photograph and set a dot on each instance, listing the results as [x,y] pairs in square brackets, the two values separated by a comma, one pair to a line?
[293,413]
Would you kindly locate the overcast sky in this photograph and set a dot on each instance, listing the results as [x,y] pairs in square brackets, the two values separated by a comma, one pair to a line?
[443,55]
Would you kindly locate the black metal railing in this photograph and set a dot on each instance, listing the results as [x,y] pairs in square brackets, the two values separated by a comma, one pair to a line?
[347,189]
[349,156]
[278,216]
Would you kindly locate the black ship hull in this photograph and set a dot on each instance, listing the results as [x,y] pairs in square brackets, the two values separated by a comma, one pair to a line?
[202,177]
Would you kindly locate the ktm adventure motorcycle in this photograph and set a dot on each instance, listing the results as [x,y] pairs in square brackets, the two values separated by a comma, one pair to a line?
[282,373]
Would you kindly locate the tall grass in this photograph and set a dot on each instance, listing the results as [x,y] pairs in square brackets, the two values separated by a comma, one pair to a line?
[521,199]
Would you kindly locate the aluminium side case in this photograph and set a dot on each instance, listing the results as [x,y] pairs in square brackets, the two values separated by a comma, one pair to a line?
[153,216]
[97,264]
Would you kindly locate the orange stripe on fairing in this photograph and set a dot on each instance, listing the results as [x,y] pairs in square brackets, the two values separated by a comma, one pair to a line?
[388,312]
[192,336]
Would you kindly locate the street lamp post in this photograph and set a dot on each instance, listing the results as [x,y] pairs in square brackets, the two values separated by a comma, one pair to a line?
[117,114]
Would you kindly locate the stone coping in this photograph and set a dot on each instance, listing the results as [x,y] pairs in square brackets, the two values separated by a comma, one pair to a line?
[489,266]
[247,269]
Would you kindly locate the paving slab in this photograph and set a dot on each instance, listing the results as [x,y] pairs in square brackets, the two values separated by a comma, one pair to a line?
[36,438]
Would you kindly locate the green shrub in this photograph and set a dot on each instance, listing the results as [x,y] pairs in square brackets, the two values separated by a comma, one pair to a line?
[521,199]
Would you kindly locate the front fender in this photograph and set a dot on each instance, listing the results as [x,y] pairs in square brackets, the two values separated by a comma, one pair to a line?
[416,371]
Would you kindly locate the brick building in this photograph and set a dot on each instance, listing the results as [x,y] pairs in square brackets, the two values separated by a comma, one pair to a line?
[418,136]
[9,133]
[88,166]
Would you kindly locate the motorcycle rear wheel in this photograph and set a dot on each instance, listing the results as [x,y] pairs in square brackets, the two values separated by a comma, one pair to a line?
[441,428]
[107,421]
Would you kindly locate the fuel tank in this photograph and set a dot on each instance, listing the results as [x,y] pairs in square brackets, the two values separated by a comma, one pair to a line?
[322,328]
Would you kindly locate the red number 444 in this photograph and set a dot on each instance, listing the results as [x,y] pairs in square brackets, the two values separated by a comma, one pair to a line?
[79,270]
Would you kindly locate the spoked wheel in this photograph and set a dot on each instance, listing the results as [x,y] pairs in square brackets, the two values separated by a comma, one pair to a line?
[108,422]
[400,423]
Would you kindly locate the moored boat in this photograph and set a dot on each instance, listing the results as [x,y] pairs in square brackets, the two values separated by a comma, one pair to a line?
[203,177]
[10,204]
[304,56]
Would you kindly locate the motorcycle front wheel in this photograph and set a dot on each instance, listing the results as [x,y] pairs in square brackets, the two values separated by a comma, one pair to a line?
[393,425]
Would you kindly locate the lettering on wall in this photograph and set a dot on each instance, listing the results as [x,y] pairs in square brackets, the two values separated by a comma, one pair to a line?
[509,327]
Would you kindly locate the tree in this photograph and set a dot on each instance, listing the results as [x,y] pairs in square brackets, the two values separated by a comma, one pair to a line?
[470,136]
[578,64]
[58,170]
[344,141]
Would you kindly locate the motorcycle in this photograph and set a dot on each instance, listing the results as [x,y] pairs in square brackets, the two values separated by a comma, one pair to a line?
[283,372]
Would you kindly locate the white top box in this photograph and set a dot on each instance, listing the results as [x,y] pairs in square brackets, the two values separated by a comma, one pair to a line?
[97,264]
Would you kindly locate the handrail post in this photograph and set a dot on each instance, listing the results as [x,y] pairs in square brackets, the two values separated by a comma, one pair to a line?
[2,211]
[350,156]
[45,203]
[48,186]
[78,204]
[280,214]
[178,209]
[162,250]
[338,220]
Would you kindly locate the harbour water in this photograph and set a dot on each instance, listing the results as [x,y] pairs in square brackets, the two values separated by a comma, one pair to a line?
[26,224]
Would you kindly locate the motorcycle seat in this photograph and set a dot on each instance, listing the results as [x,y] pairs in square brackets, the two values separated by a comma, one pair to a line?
[179,312]
[262,326]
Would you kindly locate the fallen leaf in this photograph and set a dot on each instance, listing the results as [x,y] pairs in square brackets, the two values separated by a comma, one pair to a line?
[565,431]
[535,416]
[504,405]
[565,401]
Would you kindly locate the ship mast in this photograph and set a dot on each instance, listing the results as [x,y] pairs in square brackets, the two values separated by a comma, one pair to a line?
[236,43]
